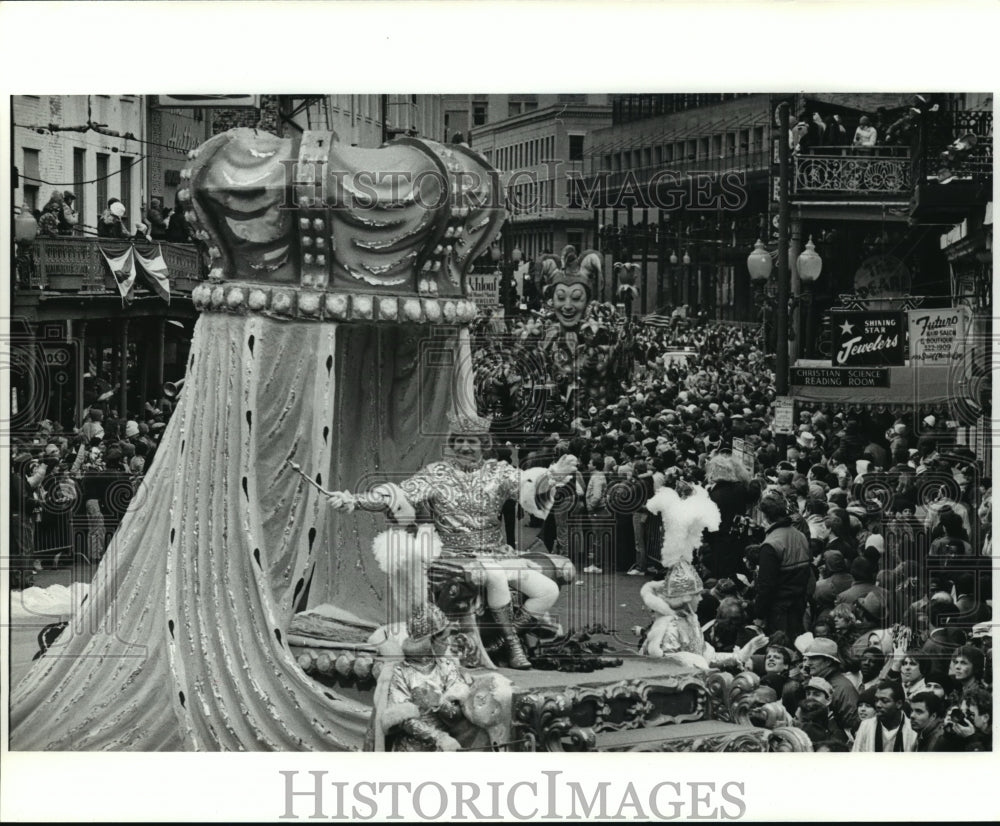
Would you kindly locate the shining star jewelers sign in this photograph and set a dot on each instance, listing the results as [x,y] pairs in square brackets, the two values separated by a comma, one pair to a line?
[869,339]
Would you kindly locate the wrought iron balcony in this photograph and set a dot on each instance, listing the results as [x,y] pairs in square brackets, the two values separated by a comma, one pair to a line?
[74,265]
[846,173]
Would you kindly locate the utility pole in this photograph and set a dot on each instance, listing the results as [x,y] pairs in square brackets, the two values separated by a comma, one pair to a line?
[781,344]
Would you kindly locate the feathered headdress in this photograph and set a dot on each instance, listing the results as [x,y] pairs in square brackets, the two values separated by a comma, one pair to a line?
[684,520]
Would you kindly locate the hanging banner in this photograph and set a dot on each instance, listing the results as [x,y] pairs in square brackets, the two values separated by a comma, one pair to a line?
[123,269]
[937,336]
[868,339]
[155,270]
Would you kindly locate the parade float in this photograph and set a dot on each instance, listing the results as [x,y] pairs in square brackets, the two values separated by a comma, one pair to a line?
[235,609]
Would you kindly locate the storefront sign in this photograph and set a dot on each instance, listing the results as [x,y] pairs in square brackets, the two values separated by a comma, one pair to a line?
[868,338]
[784,414]
[484,290]
[744,453]
[840,376]
[937,336]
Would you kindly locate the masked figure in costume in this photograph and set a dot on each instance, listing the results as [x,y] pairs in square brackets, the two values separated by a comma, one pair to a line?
[676,632]
[464,494]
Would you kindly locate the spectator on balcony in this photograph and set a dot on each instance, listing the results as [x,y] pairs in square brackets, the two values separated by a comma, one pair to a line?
[836,133]
[58,217]
[156,220]
[865,135]
[111,223]
[141,234]
[68,217]
[177,228]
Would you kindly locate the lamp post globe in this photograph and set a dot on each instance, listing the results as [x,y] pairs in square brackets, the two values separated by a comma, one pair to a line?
[809,263]
[759,263]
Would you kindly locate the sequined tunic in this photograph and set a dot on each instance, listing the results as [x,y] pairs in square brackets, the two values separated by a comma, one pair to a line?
[466,504]
[424,683]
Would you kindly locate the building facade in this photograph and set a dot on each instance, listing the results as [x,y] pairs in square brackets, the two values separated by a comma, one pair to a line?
[538,143]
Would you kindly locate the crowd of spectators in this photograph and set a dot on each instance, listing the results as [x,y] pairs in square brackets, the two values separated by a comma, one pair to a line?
[859,543]
[70,488]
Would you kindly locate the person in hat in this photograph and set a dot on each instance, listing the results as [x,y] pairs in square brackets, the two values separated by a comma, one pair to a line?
[822,659]
[676,632]
[784,573]
[422,698]
[112,221]
[464,494]
[889,730]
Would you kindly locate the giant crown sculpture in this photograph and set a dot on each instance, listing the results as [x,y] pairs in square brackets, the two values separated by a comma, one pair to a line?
[311,228]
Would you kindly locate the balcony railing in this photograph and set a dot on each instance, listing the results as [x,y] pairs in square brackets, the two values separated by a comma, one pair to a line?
[941,130]
[880,171]
[75,265]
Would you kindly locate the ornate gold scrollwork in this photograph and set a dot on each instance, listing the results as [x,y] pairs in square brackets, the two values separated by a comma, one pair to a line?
[731,696]
[542,722]
[788,738]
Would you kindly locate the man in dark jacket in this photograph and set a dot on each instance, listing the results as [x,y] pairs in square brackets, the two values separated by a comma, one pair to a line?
[836,579]
[783,574]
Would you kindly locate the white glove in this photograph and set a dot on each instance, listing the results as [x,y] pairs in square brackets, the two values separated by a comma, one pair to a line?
[752,647]
[342,500]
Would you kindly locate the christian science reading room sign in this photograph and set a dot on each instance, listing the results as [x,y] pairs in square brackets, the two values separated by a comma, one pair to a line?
[868,339]
[840,377]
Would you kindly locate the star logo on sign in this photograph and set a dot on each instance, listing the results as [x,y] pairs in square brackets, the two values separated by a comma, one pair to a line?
[847,328]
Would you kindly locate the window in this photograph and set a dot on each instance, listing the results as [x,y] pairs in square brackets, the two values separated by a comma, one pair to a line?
[30,171]
[530,105]
[479,113]
[79,176]
[576,147]
[513,108]
[572,98]
[126,184]
[102,181]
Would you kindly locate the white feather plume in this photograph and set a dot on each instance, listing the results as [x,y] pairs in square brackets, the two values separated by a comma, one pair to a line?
[404,557]
[684,520]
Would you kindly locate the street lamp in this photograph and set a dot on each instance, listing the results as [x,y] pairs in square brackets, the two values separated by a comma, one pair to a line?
[759,263]
[809,265]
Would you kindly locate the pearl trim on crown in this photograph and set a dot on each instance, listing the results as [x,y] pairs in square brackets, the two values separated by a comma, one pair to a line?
[315,305]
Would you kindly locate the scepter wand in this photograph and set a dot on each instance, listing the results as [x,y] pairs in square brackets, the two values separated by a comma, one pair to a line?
[298,469]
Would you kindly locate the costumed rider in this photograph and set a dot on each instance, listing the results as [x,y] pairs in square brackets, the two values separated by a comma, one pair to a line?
[464,494]
[428,702]
[676,633]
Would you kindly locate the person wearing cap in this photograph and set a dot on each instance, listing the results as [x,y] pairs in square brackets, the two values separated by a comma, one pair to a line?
[784,573]
[822,659]
[465,493]
[820,691]
[141,233]
[889,730]
[422,694]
